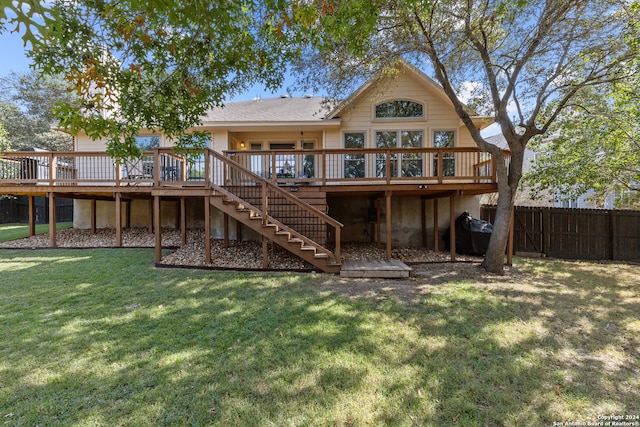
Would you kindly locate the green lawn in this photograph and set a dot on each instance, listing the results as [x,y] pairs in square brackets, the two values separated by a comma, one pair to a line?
[101,337]
[18,231]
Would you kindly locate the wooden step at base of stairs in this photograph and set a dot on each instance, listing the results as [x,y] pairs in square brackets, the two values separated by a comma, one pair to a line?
[392,269]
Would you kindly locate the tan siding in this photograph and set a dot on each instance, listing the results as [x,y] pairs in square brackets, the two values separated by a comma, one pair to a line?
[84,143]
[439,113]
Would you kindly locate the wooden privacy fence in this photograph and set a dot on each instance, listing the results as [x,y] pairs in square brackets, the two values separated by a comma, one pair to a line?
[589,234]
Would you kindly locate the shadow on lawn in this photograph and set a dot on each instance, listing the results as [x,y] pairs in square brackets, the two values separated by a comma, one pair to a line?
[155,347]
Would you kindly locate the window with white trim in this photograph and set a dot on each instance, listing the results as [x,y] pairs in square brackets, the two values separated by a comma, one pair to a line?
[400,164]
[400,108]
[444,139]
[353,162]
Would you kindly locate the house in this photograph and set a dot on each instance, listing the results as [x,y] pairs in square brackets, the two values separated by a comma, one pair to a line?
[546,198]
[392,164]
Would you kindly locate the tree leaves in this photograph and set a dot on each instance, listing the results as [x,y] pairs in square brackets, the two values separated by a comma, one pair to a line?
[154,65]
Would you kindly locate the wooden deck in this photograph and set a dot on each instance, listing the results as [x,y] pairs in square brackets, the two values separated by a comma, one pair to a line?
[392,269]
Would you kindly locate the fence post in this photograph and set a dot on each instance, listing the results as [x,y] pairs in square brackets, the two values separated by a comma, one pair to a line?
[612,234]
[546,230]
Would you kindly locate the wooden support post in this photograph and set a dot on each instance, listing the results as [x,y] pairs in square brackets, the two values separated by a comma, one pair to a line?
[510,239]
[151,215]
[207,231]
[52,220]
[157,225]
[436,234]
[32,216]
[119,219]
[93,216]
[388,218]
[452,226]
[378,222]
[265,253]
[423,221]
[225,226]
[238,231]
[183,220]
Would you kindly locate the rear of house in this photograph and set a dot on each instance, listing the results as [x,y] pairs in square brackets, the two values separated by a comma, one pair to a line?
[393,164]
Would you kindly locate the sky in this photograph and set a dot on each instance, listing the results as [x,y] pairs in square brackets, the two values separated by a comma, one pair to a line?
[13,58]
[12,54]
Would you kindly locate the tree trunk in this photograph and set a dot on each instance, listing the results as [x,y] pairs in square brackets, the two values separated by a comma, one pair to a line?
[494,258]
[508,180]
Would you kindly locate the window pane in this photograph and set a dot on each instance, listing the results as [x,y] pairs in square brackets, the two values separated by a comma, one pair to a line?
[258,164]
[354,140]
[386,139]
[147,143]
[308,160]
[399,108]
[444,139]
[411,139]
[354,163]
[411,162]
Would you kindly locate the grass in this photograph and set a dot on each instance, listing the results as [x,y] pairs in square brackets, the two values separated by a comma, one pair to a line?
[15,231]
[101,337]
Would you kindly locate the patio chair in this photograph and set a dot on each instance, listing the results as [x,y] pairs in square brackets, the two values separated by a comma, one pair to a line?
[137,169]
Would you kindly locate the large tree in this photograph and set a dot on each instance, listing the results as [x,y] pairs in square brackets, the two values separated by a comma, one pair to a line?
[27,102]
[147,64]
[525,60]
[595,145]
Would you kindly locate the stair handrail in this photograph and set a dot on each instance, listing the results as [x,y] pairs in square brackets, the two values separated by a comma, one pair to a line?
[270,185]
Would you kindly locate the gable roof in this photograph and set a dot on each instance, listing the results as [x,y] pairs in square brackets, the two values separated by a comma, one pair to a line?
[427,81]
[310,110]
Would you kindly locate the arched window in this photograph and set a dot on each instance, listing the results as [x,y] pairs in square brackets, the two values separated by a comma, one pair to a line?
[399,108]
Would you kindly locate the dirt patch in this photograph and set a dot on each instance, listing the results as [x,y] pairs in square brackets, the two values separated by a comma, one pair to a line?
[426,278]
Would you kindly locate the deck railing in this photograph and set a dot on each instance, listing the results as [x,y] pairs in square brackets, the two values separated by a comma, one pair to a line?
[164,166]
[427,165]
[271,201]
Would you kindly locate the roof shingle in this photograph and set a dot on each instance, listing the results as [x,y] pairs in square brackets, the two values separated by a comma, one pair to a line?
[289,109]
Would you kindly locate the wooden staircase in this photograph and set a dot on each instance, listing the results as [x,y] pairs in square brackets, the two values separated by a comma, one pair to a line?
[272,229]
[274,213]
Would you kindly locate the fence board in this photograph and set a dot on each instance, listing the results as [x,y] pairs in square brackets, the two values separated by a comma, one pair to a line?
[590,234]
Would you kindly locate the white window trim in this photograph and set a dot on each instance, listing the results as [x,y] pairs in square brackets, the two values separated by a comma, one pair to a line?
[399,119]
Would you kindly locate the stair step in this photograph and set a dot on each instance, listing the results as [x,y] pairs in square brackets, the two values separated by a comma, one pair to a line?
[302,246]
